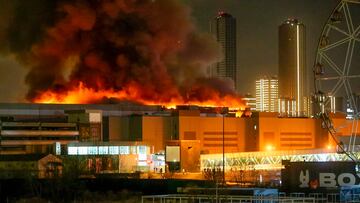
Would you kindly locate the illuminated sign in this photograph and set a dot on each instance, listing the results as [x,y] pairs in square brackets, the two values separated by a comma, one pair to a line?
[57,148]
[328,180]
[172,154]
[318,176]
[95,117]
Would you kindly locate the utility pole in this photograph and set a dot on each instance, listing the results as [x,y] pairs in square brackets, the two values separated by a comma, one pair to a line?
[223,145]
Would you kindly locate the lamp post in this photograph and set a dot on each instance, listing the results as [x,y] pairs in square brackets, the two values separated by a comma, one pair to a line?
[223,144]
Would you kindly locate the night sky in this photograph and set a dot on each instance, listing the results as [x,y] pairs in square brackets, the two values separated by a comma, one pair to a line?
[257,31]
[257,28]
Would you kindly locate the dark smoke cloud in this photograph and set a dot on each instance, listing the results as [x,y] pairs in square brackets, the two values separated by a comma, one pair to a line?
[114,44]
[12,86]
[23,23]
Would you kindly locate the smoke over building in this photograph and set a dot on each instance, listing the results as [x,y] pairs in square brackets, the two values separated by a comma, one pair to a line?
[94,51]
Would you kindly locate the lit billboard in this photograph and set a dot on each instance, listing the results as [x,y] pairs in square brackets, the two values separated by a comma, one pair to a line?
[172,154]
[312,177]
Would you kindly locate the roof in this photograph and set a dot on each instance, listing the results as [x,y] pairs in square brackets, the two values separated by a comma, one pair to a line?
[223,14]
[22,157]
[125,105]
[32,109]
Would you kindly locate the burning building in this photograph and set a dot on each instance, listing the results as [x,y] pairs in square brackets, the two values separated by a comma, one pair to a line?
[148,52]
[142,56]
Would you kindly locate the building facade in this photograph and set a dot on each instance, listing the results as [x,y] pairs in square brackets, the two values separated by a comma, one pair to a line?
[135,133]
[353,107]
[223,28]
[267,94]
[292,69]
[30,166]
[250,102]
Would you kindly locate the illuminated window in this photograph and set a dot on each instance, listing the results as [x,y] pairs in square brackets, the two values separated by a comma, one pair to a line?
[104,150]
[133,149]
[113,150]
[92,150]
[82,150]
[124,150]
[72,150]
[141,149]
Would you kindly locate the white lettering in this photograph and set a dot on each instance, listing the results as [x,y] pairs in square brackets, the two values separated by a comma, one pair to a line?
[327,180]
[304,179]
[342,179]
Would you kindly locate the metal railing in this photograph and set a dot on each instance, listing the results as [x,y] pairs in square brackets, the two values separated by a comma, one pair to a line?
[223,199]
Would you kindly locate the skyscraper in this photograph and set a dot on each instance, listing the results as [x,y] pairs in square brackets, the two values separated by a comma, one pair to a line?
[267,94]
[292,71]
[223,27]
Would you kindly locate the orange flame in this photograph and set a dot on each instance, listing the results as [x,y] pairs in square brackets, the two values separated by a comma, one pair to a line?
[83,95]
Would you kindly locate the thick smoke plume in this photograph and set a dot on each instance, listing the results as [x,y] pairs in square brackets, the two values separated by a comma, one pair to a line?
[84,51]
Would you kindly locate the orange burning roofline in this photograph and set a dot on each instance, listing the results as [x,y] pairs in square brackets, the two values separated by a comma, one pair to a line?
[84,95]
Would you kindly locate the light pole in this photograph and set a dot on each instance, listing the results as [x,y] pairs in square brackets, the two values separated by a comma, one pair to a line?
[223,144]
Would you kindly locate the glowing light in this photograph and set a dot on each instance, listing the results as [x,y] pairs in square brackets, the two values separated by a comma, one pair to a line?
[171,107]
[269,147]
[238,114]
[329,147]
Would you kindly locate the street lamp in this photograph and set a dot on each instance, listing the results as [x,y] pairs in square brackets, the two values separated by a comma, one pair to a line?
[223,112]
[223,146]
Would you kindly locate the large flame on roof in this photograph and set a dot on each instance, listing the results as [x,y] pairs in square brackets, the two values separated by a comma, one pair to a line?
[143,51]
[82,95]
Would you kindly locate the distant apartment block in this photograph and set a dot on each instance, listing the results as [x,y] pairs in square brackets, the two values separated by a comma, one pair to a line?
[267,94]
[250,102]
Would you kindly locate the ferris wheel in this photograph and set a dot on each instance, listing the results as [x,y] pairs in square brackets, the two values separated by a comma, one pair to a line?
[337,74]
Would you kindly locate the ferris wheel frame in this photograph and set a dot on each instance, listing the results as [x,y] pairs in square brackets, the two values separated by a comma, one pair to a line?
[342,74]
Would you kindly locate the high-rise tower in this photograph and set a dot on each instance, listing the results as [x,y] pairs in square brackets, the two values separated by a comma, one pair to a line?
[223,27]
[292,72]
